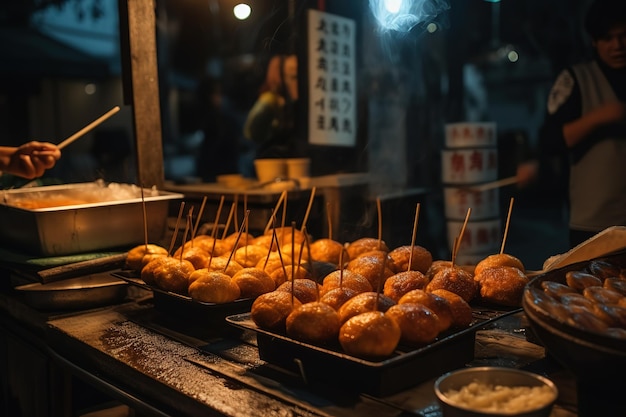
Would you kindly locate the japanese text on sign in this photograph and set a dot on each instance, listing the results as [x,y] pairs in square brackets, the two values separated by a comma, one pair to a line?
[332,86]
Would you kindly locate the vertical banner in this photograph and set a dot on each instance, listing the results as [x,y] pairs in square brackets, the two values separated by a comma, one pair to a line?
[332,84]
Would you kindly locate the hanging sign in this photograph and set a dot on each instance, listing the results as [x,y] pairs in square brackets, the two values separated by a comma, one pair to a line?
[332,85]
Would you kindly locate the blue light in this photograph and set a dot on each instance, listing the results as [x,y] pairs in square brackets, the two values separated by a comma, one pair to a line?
[403,15]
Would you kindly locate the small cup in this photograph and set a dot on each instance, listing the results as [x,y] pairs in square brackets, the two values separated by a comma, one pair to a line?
[299,167]
[269,169]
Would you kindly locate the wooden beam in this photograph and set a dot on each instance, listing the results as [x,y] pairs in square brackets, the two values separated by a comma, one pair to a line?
[141,86]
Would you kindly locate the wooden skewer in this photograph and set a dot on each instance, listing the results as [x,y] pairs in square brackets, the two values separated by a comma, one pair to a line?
[187,227]
[217,217]
[506,227]
[308,209]
[278,203]
[329,220]
[460,238]
[200,212]
[494,184]
[380,222]
[236,242]
[233,206]
[87,128]
[145,219]
[180,213]
[417,212]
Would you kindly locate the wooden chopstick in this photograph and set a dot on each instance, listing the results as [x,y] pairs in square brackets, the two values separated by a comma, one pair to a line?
[494,184]
[87,128]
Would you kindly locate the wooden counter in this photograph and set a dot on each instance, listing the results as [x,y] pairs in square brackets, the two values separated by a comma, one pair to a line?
[160,366]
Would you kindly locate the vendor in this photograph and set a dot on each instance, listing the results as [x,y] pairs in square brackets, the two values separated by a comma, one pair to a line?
[586,120]
[270,123]
[29,160]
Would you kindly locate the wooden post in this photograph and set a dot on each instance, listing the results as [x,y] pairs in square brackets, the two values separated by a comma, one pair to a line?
[141,86]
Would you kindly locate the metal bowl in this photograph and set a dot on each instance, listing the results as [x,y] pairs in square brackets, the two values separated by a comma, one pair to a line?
[492,376]
[76,293]
[589,356]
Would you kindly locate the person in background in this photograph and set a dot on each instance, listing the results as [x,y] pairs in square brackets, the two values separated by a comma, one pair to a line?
[586,119]
[29,160]
[270,122]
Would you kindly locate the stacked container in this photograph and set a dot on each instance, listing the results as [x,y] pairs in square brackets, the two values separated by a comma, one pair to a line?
[469,160]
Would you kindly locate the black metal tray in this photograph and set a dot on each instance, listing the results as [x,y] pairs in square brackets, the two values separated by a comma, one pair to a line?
[184,306]
[405,368]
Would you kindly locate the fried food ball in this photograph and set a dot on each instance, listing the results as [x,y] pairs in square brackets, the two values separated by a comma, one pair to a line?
[134,257]
[422,259]
[314,322]
[461,310]
[370,335]
[284,235]
[173,275]
[265,241]
[399,284]
[213,287]
[210,244]
[273,261]
[270,310]
[347,279]
[296,252]
[337,297]
[244,240]
[220,262]
[365,244]
[253,282]
[437,266]
[374,267]
[250,255]
[328,250]
[502,285]
[455,279]
[198,256]
[151,256]
[147,272]
[419,325]
[360,303]
[305,290]
[288,273]
[439,305]
[498,259]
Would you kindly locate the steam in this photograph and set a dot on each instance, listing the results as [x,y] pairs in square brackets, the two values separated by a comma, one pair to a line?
[403,15]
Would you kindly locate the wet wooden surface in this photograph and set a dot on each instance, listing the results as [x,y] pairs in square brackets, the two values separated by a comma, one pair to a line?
[172,366]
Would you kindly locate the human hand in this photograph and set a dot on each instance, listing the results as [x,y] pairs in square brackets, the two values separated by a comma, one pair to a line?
[612,112]
[527,172]
[32,159]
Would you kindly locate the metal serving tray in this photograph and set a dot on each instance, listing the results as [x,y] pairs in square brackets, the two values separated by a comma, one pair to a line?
[80,228]
[183,306]
[407,367]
